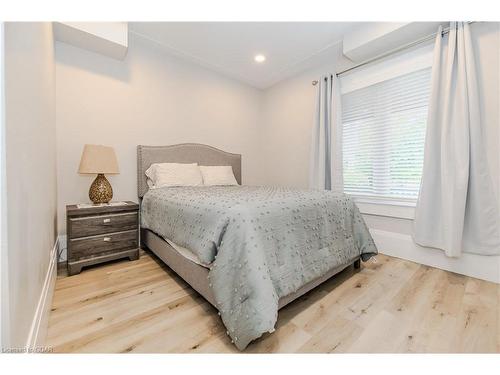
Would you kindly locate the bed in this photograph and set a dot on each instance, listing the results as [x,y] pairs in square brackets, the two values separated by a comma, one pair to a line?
[248,251]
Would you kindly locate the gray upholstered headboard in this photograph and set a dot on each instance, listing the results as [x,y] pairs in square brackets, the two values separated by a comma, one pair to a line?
[182,153]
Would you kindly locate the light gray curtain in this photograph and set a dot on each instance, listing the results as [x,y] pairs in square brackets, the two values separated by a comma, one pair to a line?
[326,146]
[457,209]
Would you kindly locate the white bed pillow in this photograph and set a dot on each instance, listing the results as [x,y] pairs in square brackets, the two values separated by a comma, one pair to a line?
[173,174]
[218,175]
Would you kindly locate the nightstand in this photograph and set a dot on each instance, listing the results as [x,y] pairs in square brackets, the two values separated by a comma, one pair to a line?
[101,233]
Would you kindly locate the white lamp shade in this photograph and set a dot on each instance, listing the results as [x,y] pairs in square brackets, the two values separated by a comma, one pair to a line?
[98,159]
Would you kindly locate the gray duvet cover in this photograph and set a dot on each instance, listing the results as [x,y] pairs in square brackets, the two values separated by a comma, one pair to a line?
[263,243]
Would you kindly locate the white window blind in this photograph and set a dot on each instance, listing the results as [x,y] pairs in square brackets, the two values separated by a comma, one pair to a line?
[383,134]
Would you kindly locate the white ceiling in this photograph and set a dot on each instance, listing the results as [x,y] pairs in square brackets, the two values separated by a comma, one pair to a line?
[229,48]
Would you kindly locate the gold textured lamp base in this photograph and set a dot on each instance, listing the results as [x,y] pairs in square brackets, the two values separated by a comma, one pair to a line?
[100,191]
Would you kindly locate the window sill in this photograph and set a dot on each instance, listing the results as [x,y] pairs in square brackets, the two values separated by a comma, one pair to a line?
[386,207]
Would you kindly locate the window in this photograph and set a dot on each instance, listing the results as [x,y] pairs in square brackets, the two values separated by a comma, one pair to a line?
[383,134]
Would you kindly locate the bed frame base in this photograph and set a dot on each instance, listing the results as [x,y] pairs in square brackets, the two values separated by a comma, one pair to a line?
[197,276]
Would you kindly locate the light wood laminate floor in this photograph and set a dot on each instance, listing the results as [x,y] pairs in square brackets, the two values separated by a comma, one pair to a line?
[388,306]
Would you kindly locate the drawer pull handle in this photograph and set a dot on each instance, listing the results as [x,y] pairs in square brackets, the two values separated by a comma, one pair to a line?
[106,221]
[107,239]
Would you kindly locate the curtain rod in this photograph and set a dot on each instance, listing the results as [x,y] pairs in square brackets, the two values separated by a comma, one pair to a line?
[391,52]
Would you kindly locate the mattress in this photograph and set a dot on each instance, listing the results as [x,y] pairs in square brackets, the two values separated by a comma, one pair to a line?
[263,243]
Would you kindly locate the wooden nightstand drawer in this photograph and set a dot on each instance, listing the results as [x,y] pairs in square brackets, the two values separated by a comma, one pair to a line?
[93,225]
[86,247]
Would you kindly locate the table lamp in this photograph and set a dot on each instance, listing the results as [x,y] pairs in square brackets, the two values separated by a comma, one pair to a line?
[98,160]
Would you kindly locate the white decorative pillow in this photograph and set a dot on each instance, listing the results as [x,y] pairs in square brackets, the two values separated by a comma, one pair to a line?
[174,174]
[218,175]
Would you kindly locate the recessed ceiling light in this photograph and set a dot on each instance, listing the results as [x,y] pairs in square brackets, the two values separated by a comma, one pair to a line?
[260,58]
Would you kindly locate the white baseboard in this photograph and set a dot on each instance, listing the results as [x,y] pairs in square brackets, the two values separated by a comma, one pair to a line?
[38,331]
[402,246]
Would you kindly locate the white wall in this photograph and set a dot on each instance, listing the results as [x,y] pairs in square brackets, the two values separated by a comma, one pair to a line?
[4,269]
[288,112]
[30,169]
[288,115]
[149,98]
